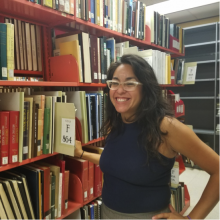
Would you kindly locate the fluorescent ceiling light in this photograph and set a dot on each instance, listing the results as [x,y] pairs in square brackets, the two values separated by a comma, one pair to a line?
[171,6]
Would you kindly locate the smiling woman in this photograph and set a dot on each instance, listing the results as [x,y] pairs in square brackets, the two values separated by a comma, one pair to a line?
[142,141]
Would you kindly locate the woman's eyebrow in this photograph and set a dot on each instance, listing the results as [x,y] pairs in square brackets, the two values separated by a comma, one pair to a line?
[129,78]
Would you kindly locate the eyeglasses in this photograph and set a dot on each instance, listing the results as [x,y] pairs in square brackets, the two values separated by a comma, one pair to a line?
[127,86]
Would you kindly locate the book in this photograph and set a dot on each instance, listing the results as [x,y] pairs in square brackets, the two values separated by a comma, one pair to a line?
[4,139]
[175,175]
[61,5]
[6,205]
[2,210]
[189,73]
[33,47]
[10,51]
[38,48]
[28,45]
[53,195]
[3,52]
[46,137]
[20,44]
[65,128]
[91,181]
[80,168]
[72,47]
[66,191]
[94,59]
[26,130]
[24,44]
[13,136]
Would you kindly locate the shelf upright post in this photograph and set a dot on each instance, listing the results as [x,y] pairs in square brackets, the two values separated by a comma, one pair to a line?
[215,92]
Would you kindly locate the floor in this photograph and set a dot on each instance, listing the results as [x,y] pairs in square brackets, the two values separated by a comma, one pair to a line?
[196,181]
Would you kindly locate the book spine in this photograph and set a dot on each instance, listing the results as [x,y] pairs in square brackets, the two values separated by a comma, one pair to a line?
[46,138]
[38,47]
[28,43]
[72,7]
[92,14]
[17,54]
[53,194]
[24,45]
[94,59]
[3,52]
[10,51]
[66,190]
[13,136]
[39,132]
[20,45]
[25,130]
[61,5]
[33,47]
[67,6]
[4,138]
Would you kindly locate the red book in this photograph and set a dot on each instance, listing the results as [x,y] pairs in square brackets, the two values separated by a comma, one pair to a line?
[46,189]
[66,190]
[173,80]
[91,180]
[97,180]
[147,34]
[13,136]
[4,138]
[174,44]
[80,168]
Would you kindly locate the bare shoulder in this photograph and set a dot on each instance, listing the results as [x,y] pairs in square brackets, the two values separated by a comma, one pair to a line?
[180,138]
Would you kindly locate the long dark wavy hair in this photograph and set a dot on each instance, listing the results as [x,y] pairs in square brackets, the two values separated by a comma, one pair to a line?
[151,111]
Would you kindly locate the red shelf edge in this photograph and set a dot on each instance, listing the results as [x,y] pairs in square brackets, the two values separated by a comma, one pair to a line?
[13,165]
[92,84]
[93,141]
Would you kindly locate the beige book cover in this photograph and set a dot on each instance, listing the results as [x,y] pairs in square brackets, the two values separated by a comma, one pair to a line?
[48,3]
[38,42]
[30,147]
[6,204]
[20,44]
[16,103]
[65,39]
[17,53]
[12,197]
[72,47]
[24,45]
[65,128]
[33,47]
[2,210]
[39,132]
[10,51]
[28,45]
[79,100]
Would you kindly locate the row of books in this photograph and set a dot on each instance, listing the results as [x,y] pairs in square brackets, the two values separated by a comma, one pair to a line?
[41,190]
[20,47]
[132,18]
[94,56]
[92,210]
[32,79]
[66,6]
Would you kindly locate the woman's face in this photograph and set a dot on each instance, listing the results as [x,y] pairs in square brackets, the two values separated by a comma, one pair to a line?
[125,102]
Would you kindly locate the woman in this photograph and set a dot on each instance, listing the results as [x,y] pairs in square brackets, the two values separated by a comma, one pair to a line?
[142,142]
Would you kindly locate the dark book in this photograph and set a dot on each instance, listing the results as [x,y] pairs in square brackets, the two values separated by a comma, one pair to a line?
[53,186]
[140,20]
[25,130]
[103,57]
[37,142]
[155,27]
[32,177]
[33,129]
[88,115]
[129,19]
[158,28]
[46,137]
[93,115]
[86,10]
[94,58]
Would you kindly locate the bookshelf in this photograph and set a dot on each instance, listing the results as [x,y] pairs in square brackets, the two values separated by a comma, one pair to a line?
[201,98]
[49,18]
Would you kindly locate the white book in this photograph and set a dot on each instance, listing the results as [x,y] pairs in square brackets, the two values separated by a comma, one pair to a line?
[60,195]
[130,50]
[101,12]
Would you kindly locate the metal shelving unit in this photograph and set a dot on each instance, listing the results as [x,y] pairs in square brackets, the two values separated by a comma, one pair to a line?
[201,98]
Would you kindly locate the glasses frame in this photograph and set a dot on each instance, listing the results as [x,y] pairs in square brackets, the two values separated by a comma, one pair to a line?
[122,83]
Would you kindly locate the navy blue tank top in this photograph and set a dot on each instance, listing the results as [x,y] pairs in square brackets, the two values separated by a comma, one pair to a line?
[130,185]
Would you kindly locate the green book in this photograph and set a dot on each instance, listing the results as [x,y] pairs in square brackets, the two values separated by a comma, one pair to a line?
[46,137]
[3,51]
[53,186]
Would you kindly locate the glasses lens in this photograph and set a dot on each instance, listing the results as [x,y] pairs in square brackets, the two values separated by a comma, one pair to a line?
[113,85]
[129,86]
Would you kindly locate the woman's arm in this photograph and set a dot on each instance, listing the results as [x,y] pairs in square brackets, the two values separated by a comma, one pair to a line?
[94,158]
[182,139]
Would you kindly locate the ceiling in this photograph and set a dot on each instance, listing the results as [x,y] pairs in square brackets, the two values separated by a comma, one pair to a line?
[207,11]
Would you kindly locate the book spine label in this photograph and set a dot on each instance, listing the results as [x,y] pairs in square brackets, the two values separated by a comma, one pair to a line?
[13,136]
[4,137]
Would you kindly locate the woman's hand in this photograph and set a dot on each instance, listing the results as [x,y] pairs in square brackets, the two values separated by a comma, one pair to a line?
[172,215]
[78,150]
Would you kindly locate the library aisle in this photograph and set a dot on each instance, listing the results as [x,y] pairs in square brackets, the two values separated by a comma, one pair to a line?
[196,181]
